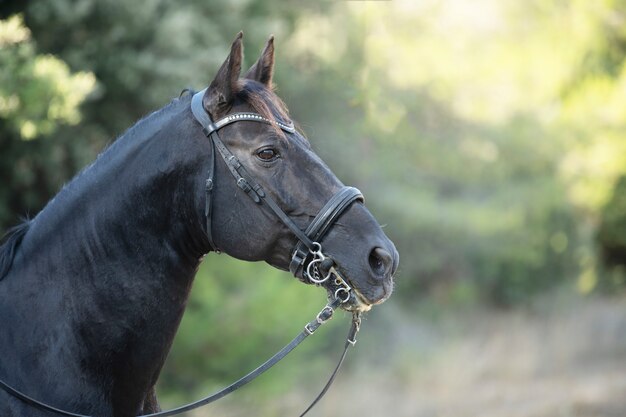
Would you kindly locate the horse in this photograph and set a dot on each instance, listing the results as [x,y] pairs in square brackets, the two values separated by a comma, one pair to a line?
[93,288]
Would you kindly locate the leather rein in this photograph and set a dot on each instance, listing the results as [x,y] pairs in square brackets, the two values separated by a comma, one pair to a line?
[308,262]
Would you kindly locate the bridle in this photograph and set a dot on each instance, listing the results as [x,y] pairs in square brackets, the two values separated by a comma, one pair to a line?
[308,262]
[308,251]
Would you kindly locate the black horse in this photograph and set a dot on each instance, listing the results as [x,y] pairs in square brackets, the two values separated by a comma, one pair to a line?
[93,288]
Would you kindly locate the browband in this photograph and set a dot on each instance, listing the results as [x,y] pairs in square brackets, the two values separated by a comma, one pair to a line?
[209,127]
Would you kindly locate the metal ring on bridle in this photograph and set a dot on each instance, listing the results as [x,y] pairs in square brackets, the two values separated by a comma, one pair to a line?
[312,274]
[316,250]
[345,290]
[312,269]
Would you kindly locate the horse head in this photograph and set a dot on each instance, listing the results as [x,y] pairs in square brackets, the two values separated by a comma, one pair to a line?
[279,161]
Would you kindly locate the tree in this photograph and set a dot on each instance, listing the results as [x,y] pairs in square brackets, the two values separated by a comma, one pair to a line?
[38,95]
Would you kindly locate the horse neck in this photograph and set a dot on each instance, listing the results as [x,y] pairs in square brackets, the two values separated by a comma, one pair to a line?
[139,198]
[115,252]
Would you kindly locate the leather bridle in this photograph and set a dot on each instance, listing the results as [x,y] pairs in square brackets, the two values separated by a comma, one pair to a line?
[307,259]
[308,262]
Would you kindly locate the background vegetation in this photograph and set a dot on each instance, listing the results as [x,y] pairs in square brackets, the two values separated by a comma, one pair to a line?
[488,136]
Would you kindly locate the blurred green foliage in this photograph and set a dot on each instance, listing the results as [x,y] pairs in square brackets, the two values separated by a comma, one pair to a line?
[612,236]
[487,136]
[38,95]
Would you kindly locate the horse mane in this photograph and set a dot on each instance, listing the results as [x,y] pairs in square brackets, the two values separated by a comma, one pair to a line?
[10,243]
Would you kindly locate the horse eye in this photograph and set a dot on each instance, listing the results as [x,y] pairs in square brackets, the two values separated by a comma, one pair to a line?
[267,154]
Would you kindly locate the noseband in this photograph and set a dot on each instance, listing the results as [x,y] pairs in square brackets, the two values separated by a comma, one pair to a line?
[308,261]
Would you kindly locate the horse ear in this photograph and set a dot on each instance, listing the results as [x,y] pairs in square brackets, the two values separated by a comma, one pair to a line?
[222,89]
[263,69]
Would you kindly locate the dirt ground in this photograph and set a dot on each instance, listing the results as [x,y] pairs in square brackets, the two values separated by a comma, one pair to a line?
[558,358]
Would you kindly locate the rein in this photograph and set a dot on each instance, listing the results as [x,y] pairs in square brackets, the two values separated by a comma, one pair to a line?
[308,262]
[322,317]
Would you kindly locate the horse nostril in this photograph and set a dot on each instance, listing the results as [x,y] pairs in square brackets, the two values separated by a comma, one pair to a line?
[380,261]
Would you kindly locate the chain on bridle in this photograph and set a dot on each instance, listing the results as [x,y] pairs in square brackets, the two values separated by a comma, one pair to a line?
[308,262]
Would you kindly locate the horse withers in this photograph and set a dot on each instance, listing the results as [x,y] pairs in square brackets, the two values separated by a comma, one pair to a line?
[93,288]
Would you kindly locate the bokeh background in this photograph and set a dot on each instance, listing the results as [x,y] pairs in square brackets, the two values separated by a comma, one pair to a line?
[489,137]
